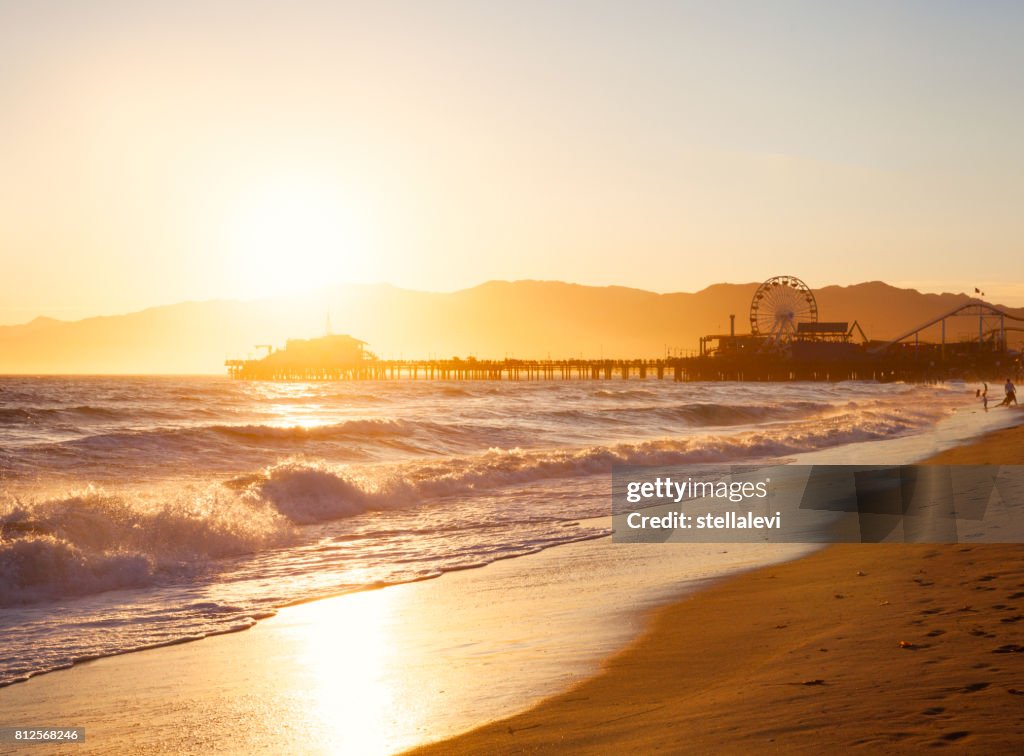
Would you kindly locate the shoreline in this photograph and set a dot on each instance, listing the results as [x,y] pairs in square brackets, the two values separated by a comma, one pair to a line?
[884,646]
[107,692]
[379,671]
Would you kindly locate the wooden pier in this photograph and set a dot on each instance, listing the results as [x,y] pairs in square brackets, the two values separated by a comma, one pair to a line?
[464,370]
[890,367]
[737,358]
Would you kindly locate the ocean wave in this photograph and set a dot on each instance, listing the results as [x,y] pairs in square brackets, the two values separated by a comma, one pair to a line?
[624,393]
[92,541]
[308,492]
[453,391]
[226,438]
[368,429]
[707,414]
[23,415]
[14,415]
[355,430]
[700,414]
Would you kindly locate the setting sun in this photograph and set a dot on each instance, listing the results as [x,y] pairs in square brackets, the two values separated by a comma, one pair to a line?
[293,235]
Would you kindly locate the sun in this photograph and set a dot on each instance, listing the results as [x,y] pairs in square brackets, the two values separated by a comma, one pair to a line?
[292,236]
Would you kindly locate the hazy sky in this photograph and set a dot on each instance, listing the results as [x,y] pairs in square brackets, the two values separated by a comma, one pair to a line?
[152,152]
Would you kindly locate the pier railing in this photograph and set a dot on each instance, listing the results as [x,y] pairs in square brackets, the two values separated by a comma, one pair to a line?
[908,365]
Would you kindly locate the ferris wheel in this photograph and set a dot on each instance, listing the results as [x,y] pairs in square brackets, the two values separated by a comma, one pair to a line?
[779,305]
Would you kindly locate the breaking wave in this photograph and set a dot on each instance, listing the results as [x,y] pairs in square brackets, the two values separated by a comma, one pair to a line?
[308,492]
[92,541]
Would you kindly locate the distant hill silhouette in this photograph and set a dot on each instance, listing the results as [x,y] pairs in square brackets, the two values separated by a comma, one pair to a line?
[523,319]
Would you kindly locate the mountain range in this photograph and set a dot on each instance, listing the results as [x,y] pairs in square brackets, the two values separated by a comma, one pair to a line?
[523,319]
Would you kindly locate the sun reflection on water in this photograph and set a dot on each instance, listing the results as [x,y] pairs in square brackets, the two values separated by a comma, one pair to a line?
[358,695]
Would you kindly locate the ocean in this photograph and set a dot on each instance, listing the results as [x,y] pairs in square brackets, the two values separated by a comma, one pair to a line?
[137,512]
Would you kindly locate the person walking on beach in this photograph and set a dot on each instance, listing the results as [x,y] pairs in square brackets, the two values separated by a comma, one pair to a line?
[1011,393]
[984,396]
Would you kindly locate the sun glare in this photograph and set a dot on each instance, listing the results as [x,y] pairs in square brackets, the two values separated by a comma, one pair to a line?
[294,236]
[356,694]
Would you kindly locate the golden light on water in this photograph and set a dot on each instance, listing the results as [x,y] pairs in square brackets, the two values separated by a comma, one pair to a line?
[358,695]
[305,417]
[286,405]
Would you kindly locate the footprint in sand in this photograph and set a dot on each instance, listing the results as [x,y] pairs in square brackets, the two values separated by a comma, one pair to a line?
[974,687]
[950,737]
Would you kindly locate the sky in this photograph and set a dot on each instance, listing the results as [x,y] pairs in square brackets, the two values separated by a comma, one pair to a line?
[156,152]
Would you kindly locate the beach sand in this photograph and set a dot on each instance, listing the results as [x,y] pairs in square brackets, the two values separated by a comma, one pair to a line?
[883,647]
[807,656]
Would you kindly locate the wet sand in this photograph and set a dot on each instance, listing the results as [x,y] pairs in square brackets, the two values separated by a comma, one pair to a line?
[882,647]
[379,671]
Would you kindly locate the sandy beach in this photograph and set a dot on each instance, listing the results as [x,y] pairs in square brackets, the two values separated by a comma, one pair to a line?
[885,647]
[882,646]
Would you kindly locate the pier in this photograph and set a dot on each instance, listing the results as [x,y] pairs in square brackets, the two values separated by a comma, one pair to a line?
[786,342]
[900,366]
